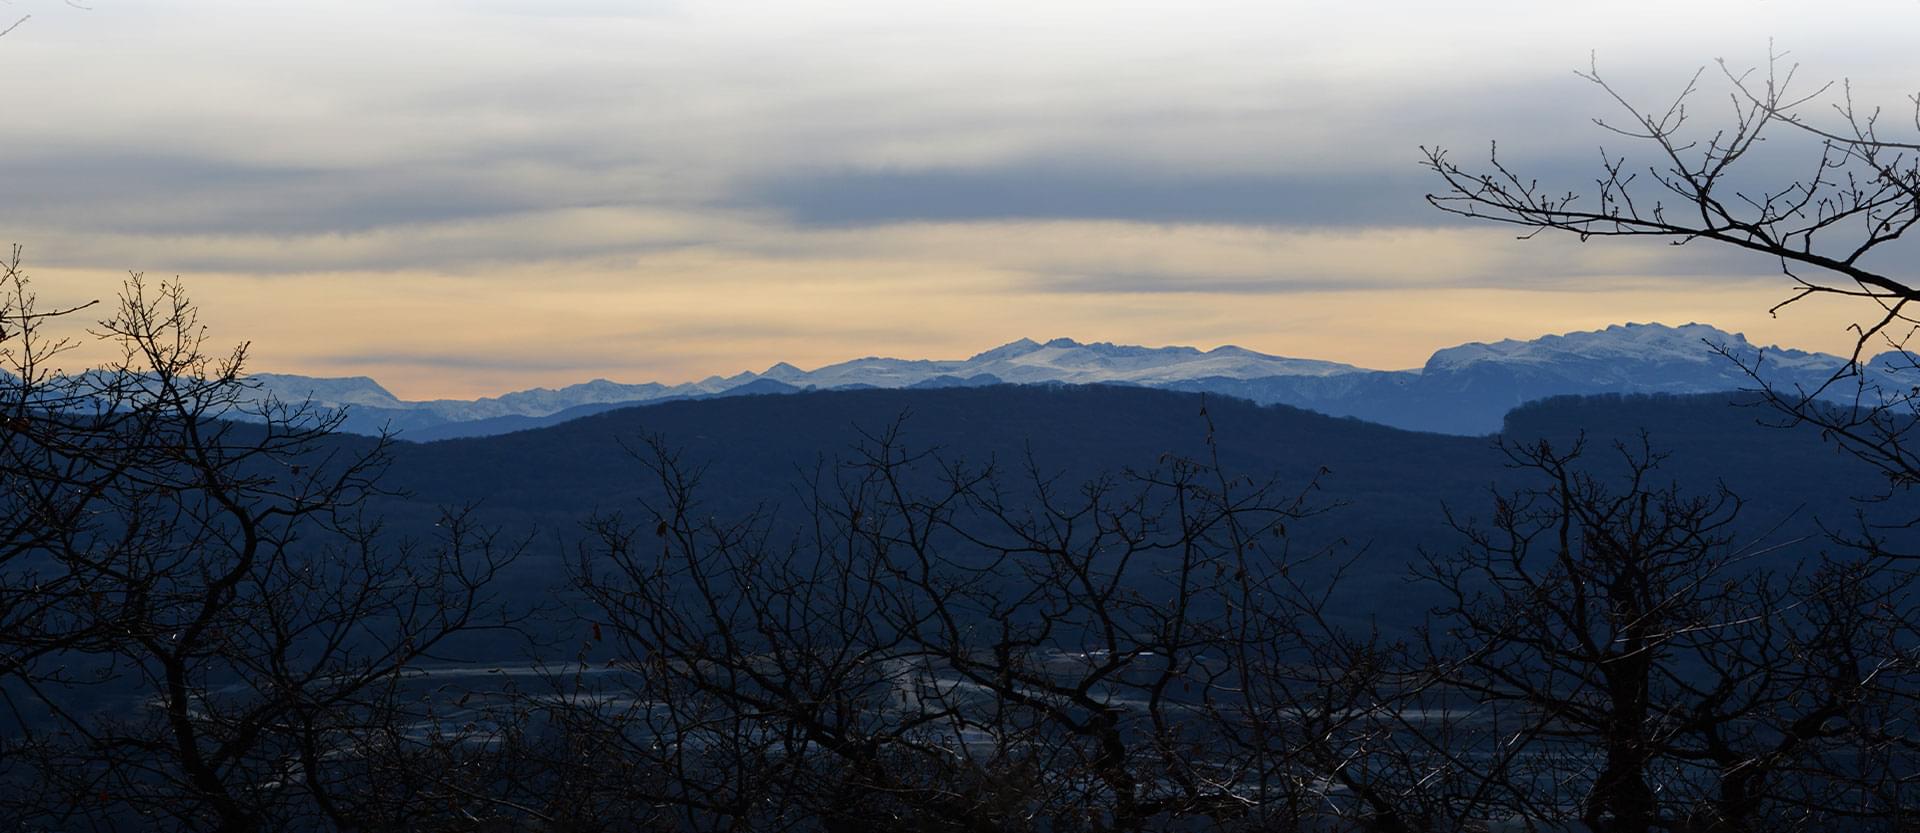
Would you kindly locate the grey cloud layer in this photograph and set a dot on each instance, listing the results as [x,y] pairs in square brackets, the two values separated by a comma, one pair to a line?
[364,120]
[1111,192]
[121,190]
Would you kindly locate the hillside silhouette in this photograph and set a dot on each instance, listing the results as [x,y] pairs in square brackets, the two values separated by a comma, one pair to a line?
[1385,491]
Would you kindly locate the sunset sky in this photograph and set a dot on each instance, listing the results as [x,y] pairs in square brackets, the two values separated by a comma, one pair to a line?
[464,198]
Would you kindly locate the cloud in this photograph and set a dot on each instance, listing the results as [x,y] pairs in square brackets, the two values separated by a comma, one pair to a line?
[492,361]
[1049,193]
[154,194]
[668,190]
[576,8]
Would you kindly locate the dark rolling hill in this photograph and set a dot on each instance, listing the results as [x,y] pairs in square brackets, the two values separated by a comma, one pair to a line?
[1385,488]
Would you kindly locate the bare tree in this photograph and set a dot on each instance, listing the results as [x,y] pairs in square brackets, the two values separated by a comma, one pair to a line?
[941,647]
[1633,668]
[202,629]
[1836,221]
[935,648]
[1762,701]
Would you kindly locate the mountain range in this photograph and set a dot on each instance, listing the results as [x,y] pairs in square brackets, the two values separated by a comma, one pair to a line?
[1464,390]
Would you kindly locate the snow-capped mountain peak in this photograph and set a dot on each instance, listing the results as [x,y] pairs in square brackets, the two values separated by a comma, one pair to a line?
[1640,344]
[782,372]
[337,390]
[1011,348]
[1481,380]
[1067,360]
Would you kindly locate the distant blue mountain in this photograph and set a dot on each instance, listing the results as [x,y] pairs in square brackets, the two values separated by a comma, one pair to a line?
[1470,388]
[944,381]
[1462,390]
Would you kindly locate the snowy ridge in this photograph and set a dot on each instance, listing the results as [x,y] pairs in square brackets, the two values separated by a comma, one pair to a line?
[1632,343]
[1476,379]
[1066,360]
[1022,361]
[344,390]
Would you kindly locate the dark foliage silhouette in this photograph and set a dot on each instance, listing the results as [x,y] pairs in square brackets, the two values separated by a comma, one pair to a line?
[199,628]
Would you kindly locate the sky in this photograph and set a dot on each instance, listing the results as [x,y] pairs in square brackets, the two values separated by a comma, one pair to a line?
[466,198]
